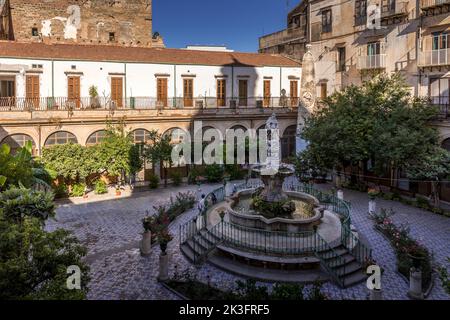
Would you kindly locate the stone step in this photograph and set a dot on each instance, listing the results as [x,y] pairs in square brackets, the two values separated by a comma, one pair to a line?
[338,261]
[187,251]
[354,279]
[351,267]
[267,275]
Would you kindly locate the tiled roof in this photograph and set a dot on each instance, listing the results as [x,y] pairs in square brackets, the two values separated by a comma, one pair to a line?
[138,54]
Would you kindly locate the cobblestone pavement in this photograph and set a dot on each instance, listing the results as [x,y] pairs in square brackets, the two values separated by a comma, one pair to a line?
[111,230]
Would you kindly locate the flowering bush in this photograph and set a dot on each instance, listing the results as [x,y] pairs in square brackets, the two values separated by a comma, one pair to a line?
[405,247]
[373,193]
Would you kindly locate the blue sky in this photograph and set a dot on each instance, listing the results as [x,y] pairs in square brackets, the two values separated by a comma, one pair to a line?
[234,23]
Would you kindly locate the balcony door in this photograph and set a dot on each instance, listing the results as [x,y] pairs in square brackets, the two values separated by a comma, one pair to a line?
[439,91]
[161,92]
[73,90]
[117,91]
[243,93]
[32,90]
[188,92]
[221,92]
[7,92]
[294,93]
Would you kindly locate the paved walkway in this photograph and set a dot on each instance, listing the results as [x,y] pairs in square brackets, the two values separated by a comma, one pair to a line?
[111,229]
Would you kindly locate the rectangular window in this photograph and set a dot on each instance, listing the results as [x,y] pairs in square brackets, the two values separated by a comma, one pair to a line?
[117,91]
[440,40]
[360,12]
[439,91]
[243,93]
[188,92]
[73,88]
[161,92]
[373,48]
[32,90]
[326,21]
[7,88]
[387,6]
[341,59]
[294,93]
[267,93]
[221,92]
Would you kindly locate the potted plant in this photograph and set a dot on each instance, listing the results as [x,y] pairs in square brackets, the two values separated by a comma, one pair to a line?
[118,191]
[93,93]
[373,193]
[146,243]
[164,237]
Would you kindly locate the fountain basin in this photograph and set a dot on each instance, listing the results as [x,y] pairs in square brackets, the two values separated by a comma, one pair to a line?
[279,223]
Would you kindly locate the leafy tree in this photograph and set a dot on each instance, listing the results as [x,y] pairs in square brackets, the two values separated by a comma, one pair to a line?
[33,262]
[17,203]
[432,165]
[159,150]
[72,162]
[117,154]
[15,169]
[443,274]
[379,122]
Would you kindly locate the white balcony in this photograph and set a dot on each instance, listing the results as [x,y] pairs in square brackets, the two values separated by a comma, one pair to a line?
[438,57]
[369,62]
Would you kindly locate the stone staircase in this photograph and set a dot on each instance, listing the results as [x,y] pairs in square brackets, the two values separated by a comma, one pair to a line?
[337,262]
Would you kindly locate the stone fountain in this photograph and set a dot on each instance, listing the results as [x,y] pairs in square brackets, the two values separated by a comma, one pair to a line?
[270,207]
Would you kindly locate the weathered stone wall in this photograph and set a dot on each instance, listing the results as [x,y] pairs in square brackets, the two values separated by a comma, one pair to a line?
[120,22]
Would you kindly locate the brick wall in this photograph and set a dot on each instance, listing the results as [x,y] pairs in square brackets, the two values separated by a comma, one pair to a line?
[120,22]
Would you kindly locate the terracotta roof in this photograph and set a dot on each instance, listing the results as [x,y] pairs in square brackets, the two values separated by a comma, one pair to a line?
[135,54]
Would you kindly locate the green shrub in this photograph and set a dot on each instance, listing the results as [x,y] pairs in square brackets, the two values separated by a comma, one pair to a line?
[176,178]
[193,176]
[423,203]
[214,173]
[100,187]
[60,191]
[154,181]
[78,190]
[235,171]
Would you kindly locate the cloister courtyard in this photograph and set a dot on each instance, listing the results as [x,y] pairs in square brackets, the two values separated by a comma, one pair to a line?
[111,229]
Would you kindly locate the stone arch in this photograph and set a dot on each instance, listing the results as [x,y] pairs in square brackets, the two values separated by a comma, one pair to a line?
[140,136]
[60,137]
[17,140]
[288,142]
[96,137]
[177,133]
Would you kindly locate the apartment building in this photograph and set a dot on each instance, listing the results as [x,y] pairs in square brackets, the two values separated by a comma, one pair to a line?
[352,40]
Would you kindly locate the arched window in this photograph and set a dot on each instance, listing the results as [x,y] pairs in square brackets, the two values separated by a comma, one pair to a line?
[61,137]
[140,136]
[446,144]
[288,142]
[17,141]
[178,135]
[96,138]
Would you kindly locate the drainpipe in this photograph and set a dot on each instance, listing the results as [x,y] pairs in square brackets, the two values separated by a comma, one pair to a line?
[125,80]
[232,82]
[53,80]
[174,86]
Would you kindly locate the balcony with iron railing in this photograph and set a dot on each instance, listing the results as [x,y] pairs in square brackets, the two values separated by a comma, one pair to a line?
[371,62]
[442,103]
[398,9]
[190,105]
[429,4]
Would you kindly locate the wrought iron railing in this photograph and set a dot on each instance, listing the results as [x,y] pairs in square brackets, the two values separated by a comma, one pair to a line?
[142,103]
[205,240]
[424,4]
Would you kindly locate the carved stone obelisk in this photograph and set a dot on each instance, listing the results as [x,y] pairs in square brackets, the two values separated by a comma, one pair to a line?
[308,96]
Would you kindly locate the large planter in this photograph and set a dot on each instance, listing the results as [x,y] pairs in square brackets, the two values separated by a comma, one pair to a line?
[146,243]
[372,206]
[163,267]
